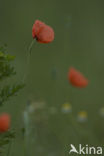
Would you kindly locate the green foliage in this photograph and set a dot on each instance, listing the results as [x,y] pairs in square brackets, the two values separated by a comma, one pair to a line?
[5,139]
[6,69]
[7,91]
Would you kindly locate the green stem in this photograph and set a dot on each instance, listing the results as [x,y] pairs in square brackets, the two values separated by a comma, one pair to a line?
[8,152]
[31,45]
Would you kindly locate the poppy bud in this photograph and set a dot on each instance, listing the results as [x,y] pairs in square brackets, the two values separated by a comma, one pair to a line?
[42,32]
[77,79]
[4,122]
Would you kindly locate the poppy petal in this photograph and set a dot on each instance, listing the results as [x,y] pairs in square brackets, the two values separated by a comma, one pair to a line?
[37,26]
[46,35]
[76,78]
[4,122]
[42,32]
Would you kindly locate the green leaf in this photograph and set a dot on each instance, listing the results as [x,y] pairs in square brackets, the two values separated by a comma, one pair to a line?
[9,91]
[9,57]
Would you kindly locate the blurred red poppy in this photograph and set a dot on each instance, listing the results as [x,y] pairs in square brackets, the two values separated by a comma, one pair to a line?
[4,122]
[42,32]
[76,78]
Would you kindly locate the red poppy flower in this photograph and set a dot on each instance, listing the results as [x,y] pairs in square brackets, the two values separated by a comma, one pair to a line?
[76,78]
[42,32]
[4,122]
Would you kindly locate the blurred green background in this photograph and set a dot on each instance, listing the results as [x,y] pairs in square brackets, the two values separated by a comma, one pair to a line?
[79,42]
